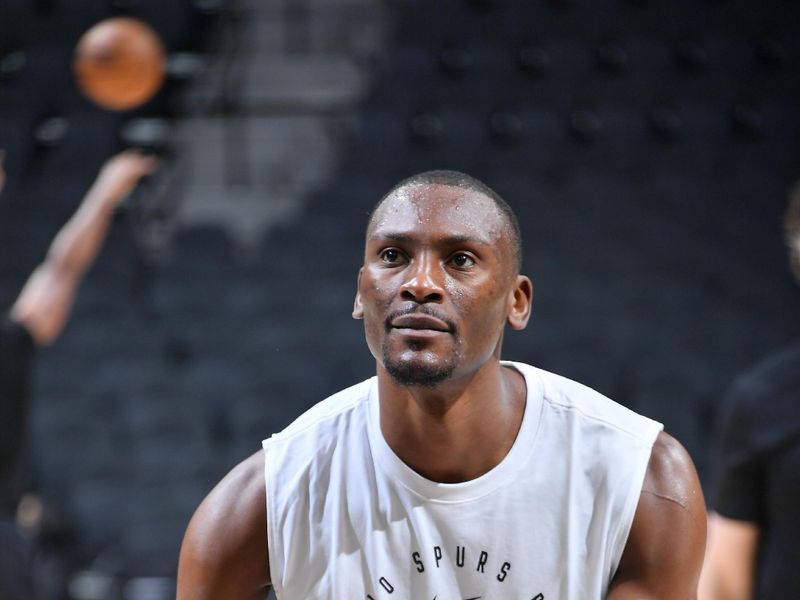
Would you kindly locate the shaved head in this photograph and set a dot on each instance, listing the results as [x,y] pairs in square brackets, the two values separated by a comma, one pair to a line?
[466,182]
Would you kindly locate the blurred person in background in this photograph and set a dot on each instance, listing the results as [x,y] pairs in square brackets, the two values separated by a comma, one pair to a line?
[754,528]
[35,320]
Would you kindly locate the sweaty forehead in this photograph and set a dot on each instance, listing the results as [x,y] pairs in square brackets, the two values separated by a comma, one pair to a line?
[419,204]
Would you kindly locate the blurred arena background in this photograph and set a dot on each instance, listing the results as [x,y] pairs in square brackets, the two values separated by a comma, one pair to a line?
[647,145]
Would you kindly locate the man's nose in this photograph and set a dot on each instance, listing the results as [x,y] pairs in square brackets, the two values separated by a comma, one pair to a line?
[423,282]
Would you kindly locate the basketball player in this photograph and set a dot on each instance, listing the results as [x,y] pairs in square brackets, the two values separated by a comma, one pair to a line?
[36,319]
[451,474]
[754,529]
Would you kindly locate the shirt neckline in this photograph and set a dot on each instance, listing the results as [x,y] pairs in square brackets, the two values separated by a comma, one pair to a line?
[396,470]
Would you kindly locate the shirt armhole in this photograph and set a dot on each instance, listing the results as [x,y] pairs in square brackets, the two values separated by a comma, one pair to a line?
[619,538]
[275,561]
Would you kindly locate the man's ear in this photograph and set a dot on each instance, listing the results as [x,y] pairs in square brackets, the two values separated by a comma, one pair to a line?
[358,308]
[519,300]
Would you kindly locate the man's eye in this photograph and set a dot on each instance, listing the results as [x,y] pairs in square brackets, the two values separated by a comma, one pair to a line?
[462,261]
[391,256]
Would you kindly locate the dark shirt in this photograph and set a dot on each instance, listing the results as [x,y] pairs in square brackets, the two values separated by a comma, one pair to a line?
[16,355]
[757,467]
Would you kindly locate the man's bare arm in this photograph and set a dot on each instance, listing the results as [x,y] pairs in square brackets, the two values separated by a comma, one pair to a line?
[45,302]
[224,552]
[664,552]
[729,567]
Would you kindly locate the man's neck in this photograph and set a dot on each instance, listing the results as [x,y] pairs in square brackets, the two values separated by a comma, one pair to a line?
[458,430]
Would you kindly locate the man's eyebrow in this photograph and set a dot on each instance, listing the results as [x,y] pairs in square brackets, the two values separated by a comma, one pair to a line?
[391,236]
[472,239]
[397,236]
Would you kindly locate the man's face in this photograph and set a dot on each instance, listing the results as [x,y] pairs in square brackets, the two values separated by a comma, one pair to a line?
[437,284]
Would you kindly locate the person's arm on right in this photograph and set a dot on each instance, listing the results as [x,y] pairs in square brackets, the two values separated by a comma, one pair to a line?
[729,565]
[224,552]
[729,568]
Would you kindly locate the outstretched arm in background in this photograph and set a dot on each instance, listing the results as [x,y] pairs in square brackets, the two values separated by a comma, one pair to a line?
[664,552]
[44,304]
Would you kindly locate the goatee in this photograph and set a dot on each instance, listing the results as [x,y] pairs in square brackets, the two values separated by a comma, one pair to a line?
[408,375]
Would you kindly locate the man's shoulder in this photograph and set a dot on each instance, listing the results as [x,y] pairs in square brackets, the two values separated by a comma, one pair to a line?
[227,523]
[240,492]
[671,473]
[224,552]
[563,394]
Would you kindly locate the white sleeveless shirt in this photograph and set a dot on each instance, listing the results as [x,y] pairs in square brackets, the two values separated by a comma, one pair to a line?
[348,520]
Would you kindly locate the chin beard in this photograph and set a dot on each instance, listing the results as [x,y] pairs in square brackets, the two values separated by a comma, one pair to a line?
[410,374]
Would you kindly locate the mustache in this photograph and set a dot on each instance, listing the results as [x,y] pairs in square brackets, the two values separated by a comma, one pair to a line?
[422,309]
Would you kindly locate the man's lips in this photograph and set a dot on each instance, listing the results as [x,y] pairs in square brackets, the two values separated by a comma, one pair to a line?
[419,322]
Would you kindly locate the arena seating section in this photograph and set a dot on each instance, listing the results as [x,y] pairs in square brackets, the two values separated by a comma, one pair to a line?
[648,146]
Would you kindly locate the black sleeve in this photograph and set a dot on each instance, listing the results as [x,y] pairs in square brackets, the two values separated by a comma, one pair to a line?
[739,471]
[16,354]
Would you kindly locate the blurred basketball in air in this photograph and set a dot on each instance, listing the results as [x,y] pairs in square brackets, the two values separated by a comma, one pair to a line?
[119,63]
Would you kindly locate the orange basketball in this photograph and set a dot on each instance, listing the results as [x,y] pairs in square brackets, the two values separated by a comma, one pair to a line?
[119,63]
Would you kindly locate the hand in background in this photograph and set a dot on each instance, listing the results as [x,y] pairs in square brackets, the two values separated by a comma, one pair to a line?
[120,174]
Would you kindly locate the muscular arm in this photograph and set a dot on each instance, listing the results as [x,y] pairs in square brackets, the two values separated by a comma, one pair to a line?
[224,551]
[664,552]
[44,304]
[730,559]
